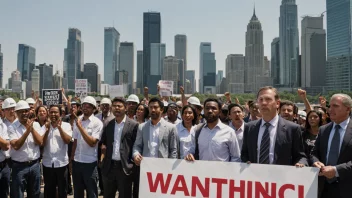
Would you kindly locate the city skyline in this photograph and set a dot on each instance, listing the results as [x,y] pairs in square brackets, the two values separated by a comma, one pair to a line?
[195,27]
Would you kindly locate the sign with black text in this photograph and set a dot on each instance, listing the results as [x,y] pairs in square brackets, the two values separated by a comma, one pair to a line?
[52,97]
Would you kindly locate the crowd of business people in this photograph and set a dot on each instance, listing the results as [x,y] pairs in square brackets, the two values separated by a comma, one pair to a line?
[103,144]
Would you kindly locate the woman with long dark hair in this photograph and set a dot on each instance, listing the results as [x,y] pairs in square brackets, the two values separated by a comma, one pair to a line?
[185,128]
[142,113]
[313,122]
[41,113]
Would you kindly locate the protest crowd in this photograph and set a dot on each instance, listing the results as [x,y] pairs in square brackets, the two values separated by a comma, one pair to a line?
[89,148]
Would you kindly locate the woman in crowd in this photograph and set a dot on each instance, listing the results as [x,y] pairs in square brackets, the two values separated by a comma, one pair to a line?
[185,128]
[313,122]
[41,113]
[142,113]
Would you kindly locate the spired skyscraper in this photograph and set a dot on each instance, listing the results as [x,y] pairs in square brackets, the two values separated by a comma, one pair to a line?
[73,63]
[289,45]
[25,61]
[339,47]
[254,57]
[151,34]
[111,54]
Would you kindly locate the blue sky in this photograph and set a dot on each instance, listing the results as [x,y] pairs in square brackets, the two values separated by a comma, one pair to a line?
[44,24]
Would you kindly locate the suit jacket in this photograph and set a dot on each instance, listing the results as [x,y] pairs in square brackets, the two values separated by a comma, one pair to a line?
[288,149]
[167,140]
[344,167]
[128,137]
[107,119]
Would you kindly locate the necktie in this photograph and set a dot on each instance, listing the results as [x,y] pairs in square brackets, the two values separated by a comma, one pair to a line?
[265,145]
[334,151]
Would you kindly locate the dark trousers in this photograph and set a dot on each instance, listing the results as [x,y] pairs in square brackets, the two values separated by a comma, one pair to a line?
[101,186]
[55,177]
[85,177]
[117,180]
[4,179]
[68,179]
[331,190]
[25,174]
[136,174]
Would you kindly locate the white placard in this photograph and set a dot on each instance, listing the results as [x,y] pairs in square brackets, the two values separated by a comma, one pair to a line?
[81,88]
[179,178]
[166,87]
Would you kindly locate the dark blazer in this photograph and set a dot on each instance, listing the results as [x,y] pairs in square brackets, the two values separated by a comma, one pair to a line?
[288,145]
[128,136]
[344,167]
[107,119]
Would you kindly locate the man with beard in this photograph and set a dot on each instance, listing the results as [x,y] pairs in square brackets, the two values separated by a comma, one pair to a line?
[118,138]
[288,110]
[25,138]
[105,116]
[236,123]
[147,143]
[214,141]
[55,159]
[86,133]
[132,102]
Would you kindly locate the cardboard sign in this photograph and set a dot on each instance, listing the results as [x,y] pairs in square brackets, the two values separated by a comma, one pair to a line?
[52,97]
[179,178]
[166,87]
[81,88]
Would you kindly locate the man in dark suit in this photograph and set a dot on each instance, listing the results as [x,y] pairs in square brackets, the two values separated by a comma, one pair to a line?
[333,150]
[118,139]
[105,116]
[272,139]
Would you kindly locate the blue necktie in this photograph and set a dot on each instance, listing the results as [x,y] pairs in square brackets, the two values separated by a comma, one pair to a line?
[334,151]
[265,146]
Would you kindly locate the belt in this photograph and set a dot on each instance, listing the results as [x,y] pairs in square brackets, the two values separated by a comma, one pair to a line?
[27,163]
[3,164]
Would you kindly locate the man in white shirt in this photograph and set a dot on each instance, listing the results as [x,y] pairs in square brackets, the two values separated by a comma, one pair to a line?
[86,133]
[4,168]
[55,159]
[236,123]
[25,138]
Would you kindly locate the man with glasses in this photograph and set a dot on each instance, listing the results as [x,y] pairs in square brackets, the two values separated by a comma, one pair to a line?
[172,112]
[25,138]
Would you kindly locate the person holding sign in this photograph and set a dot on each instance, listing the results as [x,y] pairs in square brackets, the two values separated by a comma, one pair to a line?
[332,152]
[55,159]
[25,138]
[272,139]
[86,133]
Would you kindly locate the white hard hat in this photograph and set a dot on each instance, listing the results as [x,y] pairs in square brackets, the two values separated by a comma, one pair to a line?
[302,114]
[89,100]
[179,103]
[30,101]
[194,101]
[8,103]
[22,105]
[133,98]
[105,101]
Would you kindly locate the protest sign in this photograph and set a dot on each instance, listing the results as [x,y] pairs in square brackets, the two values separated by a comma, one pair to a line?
[81,88]
[52,96]
[166,87]
[179,178]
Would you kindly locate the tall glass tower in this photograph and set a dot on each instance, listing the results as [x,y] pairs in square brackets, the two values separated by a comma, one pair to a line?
[111,54]
[25,61]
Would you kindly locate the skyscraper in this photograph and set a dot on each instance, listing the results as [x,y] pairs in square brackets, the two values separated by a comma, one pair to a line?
[254,61]
[46,77]
[127,62]
[90,73]
[219,77]
[235,73]
[74,61]
[339,47]
[172,67]
[207,68]
[190,82]
[157,55]
[151,34]
[275,61]
[289,44]
[111,54]
[36,81]
[140,70]
[1,67]
[57,80]
[25,60]
[313,48]
[181,48]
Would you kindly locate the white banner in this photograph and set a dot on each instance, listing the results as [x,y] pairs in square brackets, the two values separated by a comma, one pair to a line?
[81,88]
[116,91]
[179,178]
[166,88]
